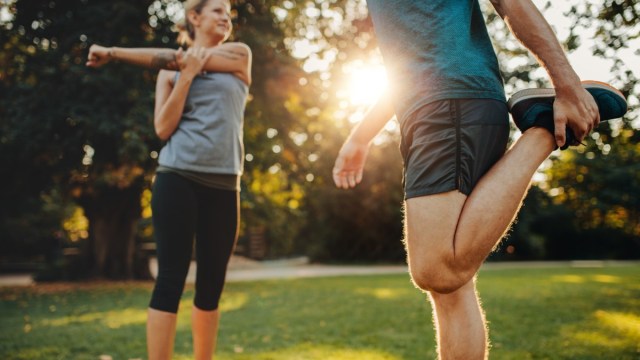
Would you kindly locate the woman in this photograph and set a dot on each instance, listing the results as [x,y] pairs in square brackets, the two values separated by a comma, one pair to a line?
[199,106]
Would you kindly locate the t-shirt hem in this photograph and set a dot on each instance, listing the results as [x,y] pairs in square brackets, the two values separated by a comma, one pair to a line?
[457,94]
[210,180]
[204,169]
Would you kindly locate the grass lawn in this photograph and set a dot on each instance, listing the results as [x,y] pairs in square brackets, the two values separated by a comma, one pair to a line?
[556,313]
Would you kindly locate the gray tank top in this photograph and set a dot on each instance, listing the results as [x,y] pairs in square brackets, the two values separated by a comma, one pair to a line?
[209,136]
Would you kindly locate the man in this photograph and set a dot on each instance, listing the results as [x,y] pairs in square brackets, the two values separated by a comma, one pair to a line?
[462,189]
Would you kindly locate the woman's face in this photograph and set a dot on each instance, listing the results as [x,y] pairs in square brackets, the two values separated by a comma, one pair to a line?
[215,19]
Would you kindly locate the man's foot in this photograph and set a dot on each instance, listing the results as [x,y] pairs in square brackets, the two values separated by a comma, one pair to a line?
[534,107]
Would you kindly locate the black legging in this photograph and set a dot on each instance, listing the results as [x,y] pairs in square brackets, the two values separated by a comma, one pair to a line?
[181,209]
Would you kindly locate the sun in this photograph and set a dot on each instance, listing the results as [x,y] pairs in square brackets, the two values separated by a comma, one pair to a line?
[366,82]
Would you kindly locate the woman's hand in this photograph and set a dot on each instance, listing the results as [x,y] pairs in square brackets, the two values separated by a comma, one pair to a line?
[98,56]
[192,61]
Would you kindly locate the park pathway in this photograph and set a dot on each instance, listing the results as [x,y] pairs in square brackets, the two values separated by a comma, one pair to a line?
[243,269]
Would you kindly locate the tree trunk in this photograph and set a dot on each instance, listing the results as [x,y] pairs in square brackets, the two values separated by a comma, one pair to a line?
[113,215]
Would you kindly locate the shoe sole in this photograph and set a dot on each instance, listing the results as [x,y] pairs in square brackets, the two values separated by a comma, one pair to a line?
[526,94]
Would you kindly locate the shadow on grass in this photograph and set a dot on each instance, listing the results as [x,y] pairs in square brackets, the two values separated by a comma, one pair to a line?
[564,313]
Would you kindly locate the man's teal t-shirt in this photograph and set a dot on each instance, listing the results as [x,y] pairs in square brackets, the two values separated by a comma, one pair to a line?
[434,50]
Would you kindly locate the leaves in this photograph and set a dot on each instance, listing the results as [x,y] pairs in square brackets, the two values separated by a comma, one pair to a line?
[70,133]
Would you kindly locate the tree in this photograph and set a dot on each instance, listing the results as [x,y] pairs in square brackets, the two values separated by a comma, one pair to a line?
[365,224]
[89,139]
[72,135]
[600,182]
[85,133]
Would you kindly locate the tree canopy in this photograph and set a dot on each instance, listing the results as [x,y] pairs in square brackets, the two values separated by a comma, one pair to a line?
[79,142]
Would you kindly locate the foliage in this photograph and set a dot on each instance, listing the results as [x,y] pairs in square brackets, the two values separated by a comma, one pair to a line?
[103,150]
[362,224]
[76,136]
[580,313]
[69,134]
[599,184]
[615,33]
[589,204]
[272,184]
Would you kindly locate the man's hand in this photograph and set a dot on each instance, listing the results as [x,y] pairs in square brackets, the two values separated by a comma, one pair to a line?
[576,109]
[349,166]
[98,56]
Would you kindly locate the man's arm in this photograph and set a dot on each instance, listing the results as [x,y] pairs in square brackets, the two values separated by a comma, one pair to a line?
[349,165]
[573,106]
[229,57]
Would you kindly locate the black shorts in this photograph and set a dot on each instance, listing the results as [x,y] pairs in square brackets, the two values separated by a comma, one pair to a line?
[450,144]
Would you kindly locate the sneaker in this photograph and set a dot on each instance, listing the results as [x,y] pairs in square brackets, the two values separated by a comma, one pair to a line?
[534,107]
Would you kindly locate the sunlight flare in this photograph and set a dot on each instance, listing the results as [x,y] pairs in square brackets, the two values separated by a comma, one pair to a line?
[366,83]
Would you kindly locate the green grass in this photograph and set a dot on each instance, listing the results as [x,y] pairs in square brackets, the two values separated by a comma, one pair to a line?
[559,313]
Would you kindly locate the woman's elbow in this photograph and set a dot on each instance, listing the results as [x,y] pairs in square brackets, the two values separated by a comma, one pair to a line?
[164,127]
[246,78]
[163,133]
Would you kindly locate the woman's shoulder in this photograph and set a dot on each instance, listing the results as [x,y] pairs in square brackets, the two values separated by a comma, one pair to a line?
[235,46]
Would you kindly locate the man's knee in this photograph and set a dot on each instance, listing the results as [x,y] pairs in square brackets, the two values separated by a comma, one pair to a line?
[439,276]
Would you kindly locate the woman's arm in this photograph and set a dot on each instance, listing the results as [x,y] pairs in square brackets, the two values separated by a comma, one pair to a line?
[151,58]
[167,113]
[232,58]
[171,97]
[235,58]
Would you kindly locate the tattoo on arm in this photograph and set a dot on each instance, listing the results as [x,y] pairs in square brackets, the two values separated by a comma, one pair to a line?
[164,60]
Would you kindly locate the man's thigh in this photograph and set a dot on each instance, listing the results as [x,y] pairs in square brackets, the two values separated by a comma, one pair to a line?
[430,225]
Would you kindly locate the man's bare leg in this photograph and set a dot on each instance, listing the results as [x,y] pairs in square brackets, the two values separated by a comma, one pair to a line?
[460,324]
[449,235]
[457,317]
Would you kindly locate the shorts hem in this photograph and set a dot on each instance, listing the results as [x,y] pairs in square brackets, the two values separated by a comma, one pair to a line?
[432,191]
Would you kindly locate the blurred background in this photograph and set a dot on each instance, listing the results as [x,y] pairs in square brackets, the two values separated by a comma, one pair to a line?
[78,151]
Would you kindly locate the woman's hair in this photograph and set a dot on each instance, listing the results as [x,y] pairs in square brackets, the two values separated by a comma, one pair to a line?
[187,32]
